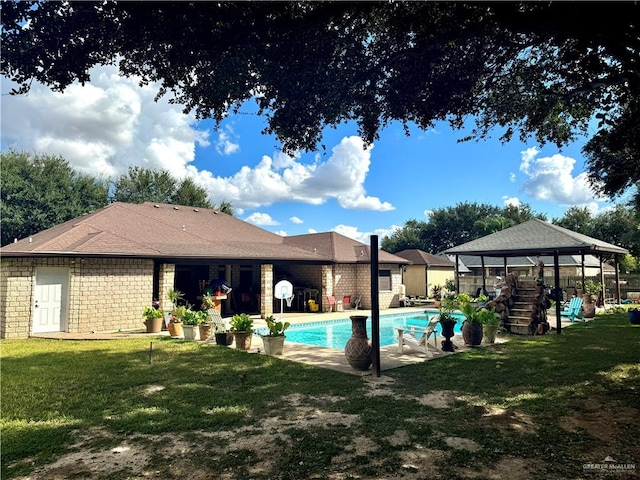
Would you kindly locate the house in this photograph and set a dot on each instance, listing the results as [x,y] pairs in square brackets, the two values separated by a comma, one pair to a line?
[426,271]
[97,272]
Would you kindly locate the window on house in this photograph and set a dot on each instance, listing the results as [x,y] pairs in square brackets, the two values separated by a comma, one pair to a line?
[384,279]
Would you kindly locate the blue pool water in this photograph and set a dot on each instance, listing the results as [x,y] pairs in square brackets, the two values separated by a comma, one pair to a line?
[335,333]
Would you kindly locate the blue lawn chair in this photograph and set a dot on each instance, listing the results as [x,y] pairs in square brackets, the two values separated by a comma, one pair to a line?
[574,311]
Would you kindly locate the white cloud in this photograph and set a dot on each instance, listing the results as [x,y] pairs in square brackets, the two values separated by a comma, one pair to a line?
[550,178]
[512,177]
[112,123]
[428,213]
[514,201]
[282,233]
[103,127]
[258,218]
[364,237]
[285,178]
[224,144]
[296,220]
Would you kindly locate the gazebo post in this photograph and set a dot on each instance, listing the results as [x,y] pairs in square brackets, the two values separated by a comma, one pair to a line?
[457,276]
[484,275]
[615,262]
[556,273]
[603,290]
[582,257]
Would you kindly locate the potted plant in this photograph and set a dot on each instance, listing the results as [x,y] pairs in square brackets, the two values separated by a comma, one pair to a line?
[204,324]
[175,325]
[175,321]
[190,324]
[436,294]
[448,323]
[472,327]
[153,319]
[490,321]
[481,300]
[242,329]
[274,340]
[591,290]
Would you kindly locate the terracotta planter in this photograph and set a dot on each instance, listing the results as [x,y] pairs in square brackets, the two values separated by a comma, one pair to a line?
[358,349]
[243,339]
[273,345]
[205,331]
[175,329]
[588,307]
[154,325]
[472,333]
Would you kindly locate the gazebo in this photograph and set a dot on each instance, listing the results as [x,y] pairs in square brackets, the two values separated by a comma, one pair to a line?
[538,237]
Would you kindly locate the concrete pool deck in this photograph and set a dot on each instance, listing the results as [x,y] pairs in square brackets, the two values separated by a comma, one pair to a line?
[330,358]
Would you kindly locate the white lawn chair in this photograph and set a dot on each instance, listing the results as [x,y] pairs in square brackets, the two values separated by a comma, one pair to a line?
[419,341]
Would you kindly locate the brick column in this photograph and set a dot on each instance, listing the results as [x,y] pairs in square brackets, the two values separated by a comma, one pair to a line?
[266,290]
[327,286]
[166,283]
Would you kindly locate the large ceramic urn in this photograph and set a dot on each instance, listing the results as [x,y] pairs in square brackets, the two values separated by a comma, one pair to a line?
[358,349]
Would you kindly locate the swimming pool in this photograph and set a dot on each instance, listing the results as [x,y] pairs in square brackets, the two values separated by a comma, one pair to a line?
[335,333]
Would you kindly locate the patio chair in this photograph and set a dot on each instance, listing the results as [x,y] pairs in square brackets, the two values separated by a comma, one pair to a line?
[574,311]
[421,342]
[355,302]
[332,303]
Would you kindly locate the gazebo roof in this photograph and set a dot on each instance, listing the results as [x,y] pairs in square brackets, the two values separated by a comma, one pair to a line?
[535,237]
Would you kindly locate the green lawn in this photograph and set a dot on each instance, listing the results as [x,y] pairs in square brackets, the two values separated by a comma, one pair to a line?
[535,407]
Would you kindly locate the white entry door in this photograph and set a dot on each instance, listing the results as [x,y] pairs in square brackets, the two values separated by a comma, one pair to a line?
[49,299]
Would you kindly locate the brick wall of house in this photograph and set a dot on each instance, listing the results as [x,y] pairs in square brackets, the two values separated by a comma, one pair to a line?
[104,294]
[17,277]
[111,294]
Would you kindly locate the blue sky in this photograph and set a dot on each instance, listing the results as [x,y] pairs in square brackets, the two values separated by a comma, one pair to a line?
[112,123]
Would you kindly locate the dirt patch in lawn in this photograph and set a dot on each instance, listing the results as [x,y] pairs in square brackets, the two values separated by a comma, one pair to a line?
[99,453]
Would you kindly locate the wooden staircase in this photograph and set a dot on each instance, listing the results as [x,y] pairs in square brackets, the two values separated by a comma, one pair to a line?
[520,315]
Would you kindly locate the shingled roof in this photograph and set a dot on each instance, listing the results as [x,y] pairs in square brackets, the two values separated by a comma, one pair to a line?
[535,237]
[158,230]
[340,249]
[420,257]
[151,230]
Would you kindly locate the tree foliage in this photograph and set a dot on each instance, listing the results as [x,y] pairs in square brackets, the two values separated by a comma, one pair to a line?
[141,185]
[41,191]
[619,225]
[528,68]
[451,226]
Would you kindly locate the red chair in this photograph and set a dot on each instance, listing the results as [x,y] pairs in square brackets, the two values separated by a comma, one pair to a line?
[332,303]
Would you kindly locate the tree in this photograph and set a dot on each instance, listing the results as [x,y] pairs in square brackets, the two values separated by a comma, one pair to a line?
[140,185]
[451,226]
[618,226]
[407,237]
[41,191]
[189,193]
[528,68]
[576,219]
